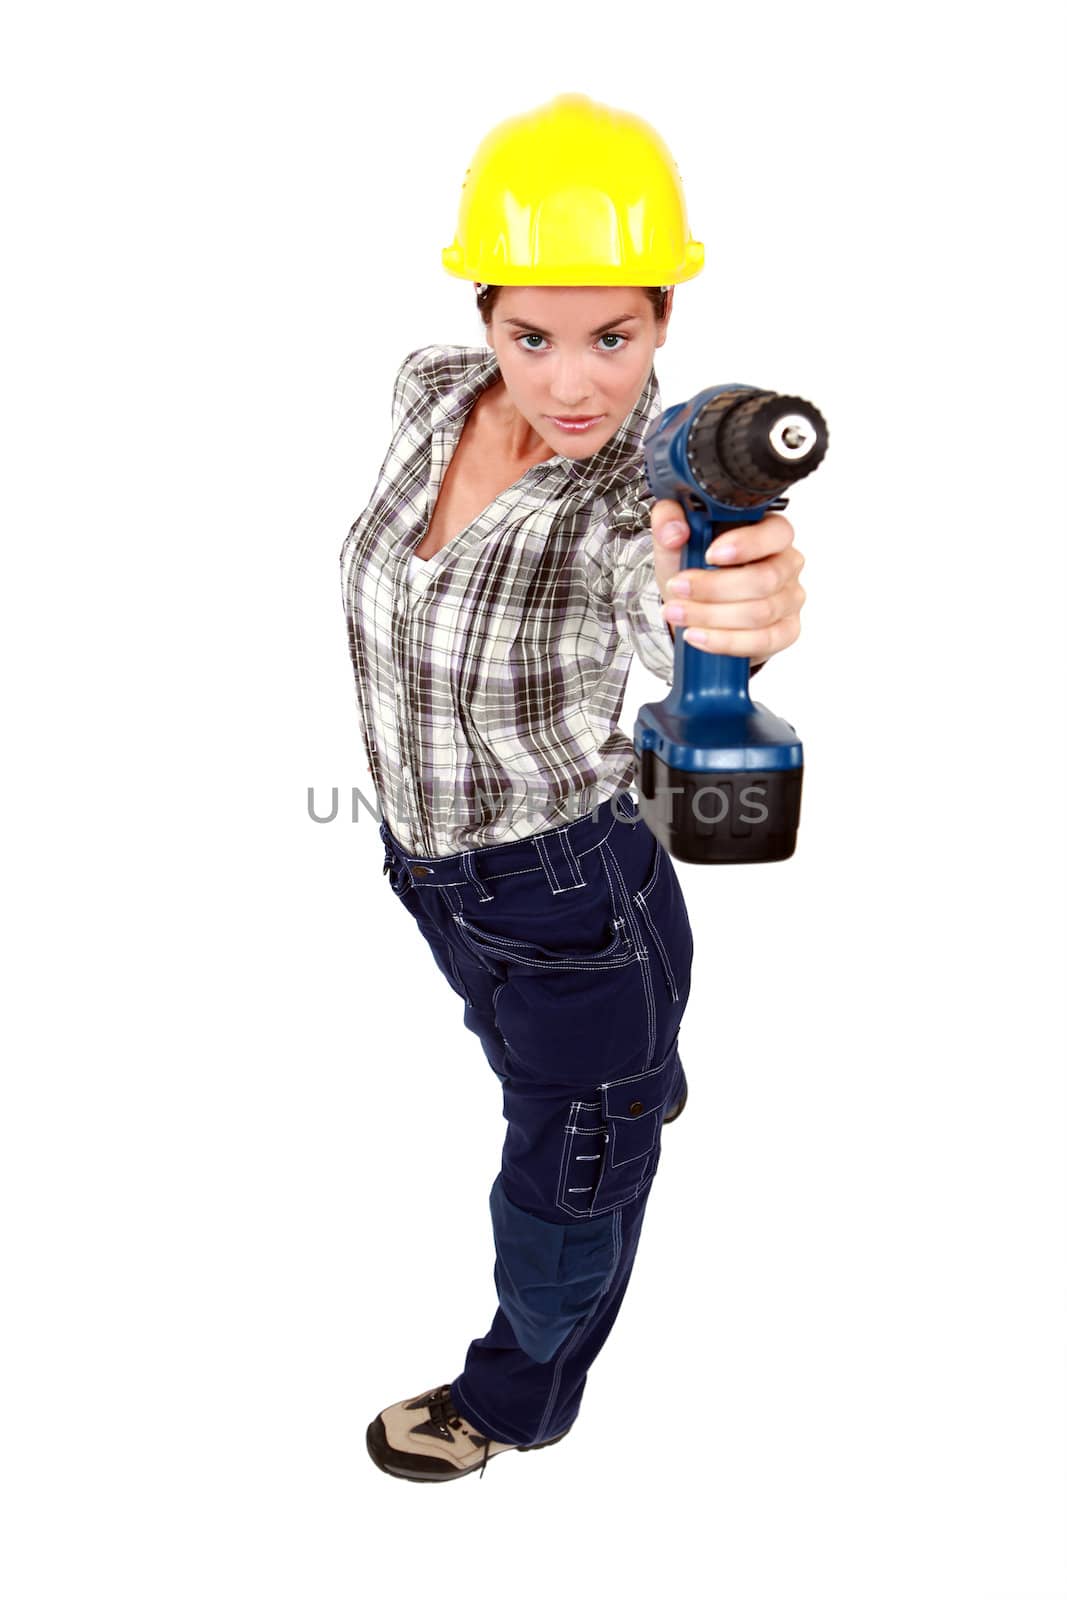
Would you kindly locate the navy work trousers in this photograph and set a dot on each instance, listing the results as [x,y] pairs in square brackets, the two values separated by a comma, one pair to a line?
[571,950]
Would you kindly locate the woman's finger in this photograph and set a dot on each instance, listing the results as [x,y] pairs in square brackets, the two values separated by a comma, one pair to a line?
[756,642]
[753,581]
[751,541]
[670,535]
[762,612]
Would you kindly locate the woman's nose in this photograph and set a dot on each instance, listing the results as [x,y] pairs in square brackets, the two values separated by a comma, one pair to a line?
[570,391]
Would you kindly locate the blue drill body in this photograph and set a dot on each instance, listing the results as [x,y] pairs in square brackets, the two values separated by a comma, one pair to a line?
[708,722]
[708,728]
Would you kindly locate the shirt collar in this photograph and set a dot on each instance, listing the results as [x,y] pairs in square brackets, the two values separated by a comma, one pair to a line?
[620,457]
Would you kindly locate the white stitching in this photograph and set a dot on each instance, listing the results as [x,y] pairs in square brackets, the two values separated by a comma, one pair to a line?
[492,940]
[660,946]
[650,998]
[518,871]
[595,964]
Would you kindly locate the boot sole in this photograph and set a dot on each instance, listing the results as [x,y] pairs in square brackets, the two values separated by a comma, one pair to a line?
[392,1461]
[544,1442]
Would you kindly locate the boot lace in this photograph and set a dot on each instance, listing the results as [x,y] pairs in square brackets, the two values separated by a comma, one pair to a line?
[444,1417]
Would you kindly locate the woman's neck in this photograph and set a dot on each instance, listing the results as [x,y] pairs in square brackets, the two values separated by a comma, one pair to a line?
[507,434]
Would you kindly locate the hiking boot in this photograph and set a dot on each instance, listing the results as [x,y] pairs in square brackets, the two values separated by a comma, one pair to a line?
[425,1439]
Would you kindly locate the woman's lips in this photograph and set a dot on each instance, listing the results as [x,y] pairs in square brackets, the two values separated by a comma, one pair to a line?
[575,424]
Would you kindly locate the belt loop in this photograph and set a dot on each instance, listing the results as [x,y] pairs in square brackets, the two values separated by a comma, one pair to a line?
[561,866]
[470,872]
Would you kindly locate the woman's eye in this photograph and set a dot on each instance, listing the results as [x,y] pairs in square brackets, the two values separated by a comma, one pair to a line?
[622,337]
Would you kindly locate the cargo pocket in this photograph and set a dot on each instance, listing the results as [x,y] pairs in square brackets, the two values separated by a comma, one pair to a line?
[612,1144]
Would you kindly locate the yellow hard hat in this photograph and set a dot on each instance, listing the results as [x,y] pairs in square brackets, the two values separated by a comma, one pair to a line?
[573,192]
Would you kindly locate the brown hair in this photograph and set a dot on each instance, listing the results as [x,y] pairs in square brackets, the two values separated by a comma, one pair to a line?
[487,301]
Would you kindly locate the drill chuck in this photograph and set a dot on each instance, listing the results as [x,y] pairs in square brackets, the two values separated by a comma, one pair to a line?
[747,446]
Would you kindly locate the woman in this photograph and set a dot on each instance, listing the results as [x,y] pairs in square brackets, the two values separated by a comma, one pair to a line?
[507,569]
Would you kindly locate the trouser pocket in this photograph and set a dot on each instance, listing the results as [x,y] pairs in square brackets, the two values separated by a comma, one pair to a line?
[614,947]
[665,922]
[612,1142]
[585,928]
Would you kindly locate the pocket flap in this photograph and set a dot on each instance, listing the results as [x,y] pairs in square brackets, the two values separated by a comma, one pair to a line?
[635,1107]
[636,1097]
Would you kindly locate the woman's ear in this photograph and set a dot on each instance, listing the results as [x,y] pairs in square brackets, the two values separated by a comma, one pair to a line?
[668,305]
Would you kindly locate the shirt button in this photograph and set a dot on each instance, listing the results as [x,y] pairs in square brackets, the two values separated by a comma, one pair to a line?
[636,1107]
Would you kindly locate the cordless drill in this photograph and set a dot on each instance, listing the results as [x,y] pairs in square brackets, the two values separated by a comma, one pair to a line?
[719,777]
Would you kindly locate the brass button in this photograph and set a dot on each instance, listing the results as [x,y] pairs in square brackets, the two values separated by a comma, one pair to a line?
[420,872]
[636,1107]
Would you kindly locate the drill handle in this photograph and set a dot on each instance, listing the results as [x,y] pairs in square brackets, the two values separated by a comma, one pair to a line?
[719,682]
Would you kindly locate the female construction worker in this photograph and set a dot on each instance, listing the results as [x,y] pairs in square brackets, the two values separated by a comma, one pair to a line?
[507,569]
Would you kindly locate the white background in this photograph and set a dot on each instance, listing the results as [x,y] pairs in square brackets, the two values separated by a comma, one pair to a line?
[246,1142]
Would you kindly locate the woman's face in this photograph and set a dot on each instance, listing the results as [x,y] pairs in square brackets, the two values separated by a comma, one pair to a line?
[575,352]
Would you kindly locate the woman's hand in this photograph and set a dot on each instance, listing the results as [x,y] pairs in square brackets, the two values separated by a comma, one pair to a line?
[750,605]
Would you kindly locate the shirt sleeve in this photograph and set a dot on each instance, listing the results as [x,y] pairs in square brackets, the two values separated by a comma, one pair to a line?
[635,600]
[410,387]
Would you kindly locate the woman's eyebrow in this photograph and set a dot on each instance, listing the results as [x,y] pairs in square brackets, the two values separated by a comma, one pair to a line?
[517,322]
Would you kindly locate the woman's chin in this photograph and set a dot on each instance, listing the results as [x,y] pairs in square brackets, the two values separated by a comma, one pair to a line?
[578,446]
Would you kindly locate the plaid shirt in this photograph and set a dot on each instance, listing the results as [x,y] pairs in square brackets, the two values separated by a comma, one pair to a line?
[490,681]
